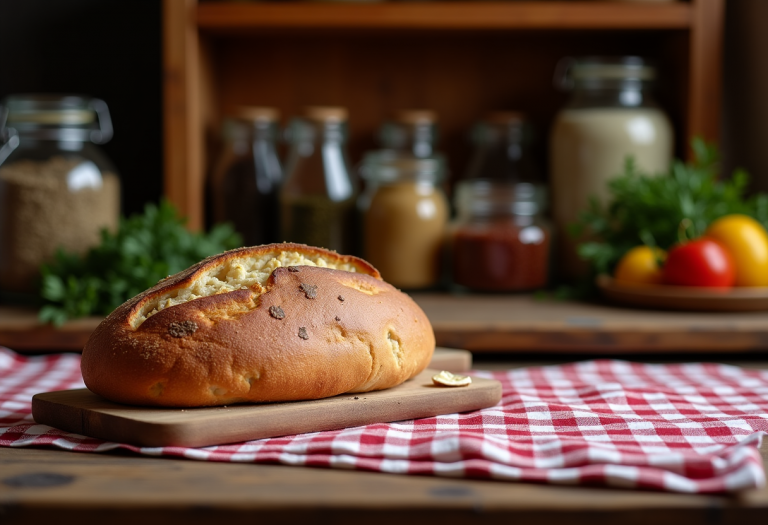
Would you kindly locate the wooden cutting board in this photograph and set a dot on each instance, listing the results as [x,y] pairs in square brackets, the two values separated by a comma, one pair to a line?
[82,412]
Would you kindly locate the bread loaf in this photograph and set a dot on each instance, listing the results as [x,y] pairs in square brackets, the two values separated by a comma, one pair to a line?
[279,322]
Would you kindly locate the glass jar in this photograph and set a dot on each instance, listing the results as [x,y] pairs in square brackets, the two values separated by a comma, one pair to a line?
[246,181]
[502,150]
[317,200]
[412,131]
[500,240]
[57,189]
[405,212]
[611,115]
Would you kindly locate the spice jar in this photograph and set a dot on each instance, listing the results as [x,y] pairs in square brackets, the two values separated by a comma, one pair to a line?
[57,189]
[412,131]
[246,181]
[502,150]
[404,215]
[317,199]
[611,115]
[500,240]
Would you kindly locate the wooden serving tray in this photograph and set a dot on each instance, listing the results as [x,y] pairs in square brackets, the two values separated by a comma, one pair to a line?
[83,412]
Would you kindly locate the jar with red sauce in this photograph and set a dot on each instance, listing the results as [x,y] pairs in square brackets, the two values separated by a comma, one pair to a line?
[500,241]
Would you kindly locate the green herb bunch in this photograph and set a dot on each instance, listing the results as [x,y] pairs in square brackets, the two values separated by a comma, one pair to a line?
[646,209]
[146,248]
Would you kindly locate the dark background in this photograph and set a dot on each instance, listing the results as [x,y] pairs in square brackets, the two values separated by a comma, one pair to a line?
[113,50]
[106,49]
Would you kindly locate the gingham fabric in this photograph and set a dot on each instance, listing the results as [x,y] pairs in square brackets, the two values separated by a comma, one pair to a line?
[683,428]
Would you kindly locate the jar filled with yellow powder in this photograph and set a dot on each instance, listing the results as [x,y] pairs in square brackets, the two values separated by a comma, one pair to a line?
[405,212]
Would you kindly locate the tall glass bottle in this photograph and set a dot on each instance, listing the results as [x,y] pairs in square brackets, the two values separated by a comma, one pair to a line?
[317,200]
[246,181]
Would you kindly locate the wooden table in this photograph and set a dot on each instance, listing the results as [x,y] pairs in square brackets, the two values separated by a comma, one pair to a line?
[126,488]
[505,323]
[59,487]
[121,488]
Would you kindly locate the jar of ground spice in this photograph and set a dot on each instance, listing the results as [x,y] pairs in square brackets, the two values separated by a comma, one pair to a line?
[57,189]
[405,212]
[500,241]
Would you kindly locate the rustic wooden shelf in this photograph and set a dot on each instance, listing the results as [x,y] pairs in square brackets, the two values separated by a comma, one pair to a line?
[460,59]
[213,16]
[517,324]
[524,324]
[21,331]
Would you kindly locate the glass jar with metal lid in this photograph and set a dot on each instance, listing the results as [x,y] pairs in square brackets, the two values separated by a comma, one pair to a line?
[404,213]
[57,189]
[500,240]
[610,116]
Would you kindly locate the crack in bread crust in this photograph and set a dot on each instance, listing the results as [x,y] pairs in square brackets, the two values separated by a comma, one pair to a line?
[242,269]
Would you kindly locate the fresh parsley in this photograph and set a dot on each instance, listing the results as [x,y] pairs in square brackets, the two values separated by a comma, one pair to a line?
[645,209]
[146,248]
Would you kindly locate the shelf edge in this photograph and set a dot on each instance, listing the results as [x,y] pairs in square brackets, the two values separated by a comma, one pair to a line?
[222,16]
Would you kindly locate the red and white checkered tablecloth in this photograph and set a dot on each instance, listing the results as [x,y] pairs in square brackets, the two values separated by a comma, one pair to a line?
[682,428]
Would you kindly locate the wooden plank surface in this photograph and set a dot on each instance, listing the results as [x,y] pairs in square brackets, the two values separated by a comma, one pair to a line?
[706,57]
[451,359]
[225,16]
[42,485]
[503,323]
[524,324]
[21,331]
[82,412]
[182,106]
[127,489]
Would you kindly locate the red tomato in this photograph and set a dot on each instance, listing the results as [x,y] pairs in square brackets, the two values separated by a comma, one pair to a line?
[701,262]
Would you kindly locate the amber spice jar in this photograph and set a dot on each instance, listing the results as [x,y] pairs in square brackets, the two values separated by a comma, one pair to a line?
[405,213]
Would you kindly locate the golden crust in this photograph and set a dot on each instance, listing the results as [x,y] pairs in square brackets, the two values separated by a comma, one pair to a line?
[306,333]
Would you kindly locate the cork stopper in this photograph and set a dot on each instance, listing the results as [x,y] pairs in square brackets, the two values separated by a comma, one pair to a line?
[416,116]
[326,113]
[258,113]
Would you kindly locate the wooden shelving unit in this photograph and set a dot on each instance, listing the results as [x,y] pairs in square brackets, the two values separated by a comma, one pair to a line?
[444,16]
[461,59]
[514,324]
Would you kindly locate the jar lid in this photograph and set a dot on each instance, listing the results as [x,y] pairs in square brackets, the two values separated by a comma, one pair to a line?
[615,68]
[606,71]
[386,166]
[416,116]
[258,113]
[326,113]
[413,130]
[501,127]
[59,117]
[486,197]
